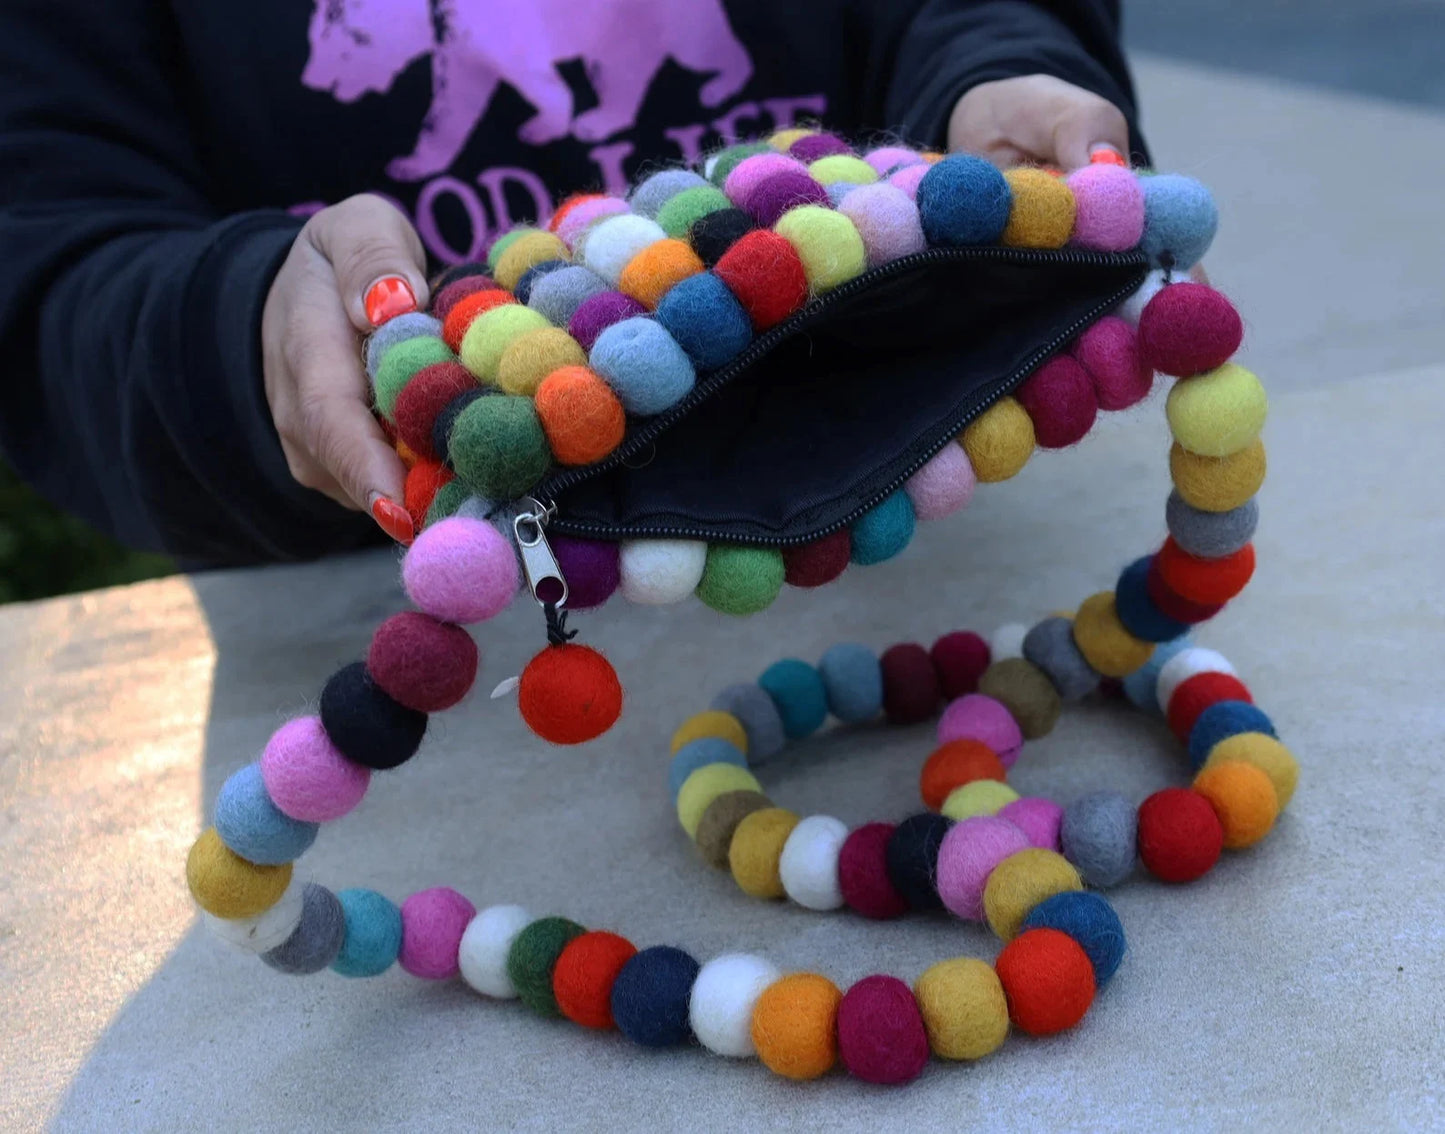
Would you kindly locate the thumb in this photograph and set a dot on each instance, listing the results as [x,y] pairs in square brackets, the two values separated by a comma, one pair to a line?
[1088,124]
[378,259]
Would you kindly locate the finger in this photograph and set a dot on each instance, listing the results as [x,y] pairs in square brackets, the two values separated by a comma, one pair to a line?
[1086,124]
[377,257]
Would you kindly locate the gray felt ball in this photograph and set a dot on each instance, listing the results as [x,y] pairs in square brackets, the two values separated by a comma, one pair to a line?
[1050,646]
[759,716]
[1097,834]
[412,325]
[660,188]
[853,680]
[1210,535]
[557,295]
[317,940]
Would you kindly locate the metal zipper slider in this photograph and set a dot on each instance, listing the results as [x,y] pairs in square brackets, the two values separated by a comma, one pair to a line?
[539,563]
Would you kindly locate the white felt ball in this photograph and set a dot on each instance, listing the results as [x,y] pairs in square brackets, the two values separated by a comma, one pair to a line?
[723,995]
[1007,641]
[809,863]
[1184,665]
[657,572]
[486,942]
[1153,284]
[268,929]
[610,244]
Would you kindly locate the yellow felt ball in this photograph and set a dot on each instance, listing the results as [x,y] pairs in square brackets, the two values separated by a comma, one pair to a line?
[783,140]
[1000,442]
[713,722]
[1244,799]
[1022,881]
[533,356]
[527,251]
[964,1008]
[795,1026]
[706,784]
[1265,753]
[492,332]
[827,243]
[1102,639]
[1217,484]
[1218,413]
[226,885]
[981,797]
[842,168]
[757,849]
[1042,213]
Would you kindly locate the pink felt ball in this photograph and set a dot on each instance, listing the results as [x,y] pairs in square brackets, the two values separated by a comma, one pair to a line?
[751,172]
[1060,399]
[307,777]
[432,924]
[422,663]
[967,856]
[1109,214]
[886,159]
[977,717]
[460,570]
[582,216]
[887,220]
[908,178]
[1187,329]
[881,1038]
[1037,818]
[943,486]
[1109,351]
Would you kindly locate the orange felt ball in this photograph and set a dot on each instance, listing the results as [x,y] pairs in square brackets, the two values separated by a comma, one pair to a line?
[460,317]
[580,414]
[585,972]
[423,481]
[795,1026]
[569,694]
[1243,797]
[1208,582]
[652,273]
[1048,980]
[954,764]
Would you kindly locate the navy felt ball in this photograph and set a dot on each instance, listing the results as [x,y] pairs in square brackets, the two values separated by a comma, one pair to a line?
[1136,609]
[963,200]
[798,691]
[1222,720]
[911,858]
[706,319]
[1089,920]
[650,997]
[254,827]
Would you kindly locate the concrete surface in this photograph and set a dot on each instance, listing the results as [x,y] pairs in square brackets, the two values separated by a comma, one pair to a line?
[1298,987]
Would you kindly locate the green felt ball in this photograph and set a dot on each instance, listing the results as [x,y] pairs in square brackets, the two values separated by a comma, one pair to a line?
[449,497]
[728,159]
[691,205]
[532,958]
[498,448]
[741,580]
[400,364]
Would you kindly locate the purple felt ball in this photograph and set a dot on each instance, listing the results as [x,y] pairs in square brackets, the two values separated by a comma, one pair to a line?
[811,147]
[887,159]
[592,569]
[600,312]
[908,178]
[781,191]
[751,172]
[887,220]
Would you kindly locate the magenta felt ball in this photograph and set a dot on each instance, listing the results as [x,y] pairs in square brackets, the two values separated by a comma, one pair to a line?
[943,486]
[582,216]
[307,777]
[977,717]
[751,172]
[592,569]
[1188,329]
[786,189]
[881,1038]
[1109,351]
[1109,208]
[887,220]
[967,856]
[461,570]
[811,147]
[908,178]
[421,663]
[1060,399]
[886,159]
[1037,818]
[432,924]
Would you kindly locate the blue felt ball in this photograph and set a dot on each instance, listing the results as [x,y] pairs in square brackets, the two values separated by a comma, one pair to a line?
[650,997]
[1089,920]
[1180,220]
[797,690]
[254,827]
[1137,610]
[1097,834]
[523,290]
[697,754]
[649,197]
[706,319]
[643,364]
[759,716]
[884,532]
[1140,686]
[373,934]
[853,681]
[1222,720]
[963,200]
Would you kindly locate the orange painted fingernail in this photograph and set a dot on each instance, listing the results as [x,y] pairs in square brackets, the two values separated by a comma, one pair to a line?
[393,519]
[1105,154]
[387,298]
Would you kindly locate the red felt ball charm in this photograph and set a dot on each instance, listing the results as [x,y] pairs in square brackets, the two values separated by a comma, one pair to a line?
[1188,328]
[1048,980]
[1176,606]
[422,663]
[425,396]
[819,562]
[1180,836]
[583,977]
[570,694]
[765,272]
[1193,695]
[1204,581]
[1061,401]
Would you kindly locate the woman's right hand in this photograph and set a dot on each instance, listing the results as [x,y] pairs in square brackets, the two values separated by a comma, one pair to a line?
[322,299]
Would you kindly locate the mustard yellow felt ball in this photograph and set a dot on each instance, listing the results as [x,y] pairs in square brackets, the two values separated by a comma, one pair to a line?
[492,332]
[1265,753]
[527,251]
[705,785]
[1022,881]
[827,243]
[757,849]
[712,722]
[1218,413]
[783,140]
[1042,213]
[1243,797]
[226,885]
[1000,442]
[1109,648]
[964,1008]
[533,356]
[981,797]
[1217,484]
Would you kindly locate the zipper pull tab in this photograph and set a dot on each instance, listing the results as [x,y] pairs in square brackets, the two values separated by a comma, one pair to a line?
[539,562]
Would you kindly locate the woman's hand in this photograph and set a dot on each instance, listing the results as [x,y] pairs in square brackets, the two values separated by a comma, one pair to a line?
[354,265]
[1036,119]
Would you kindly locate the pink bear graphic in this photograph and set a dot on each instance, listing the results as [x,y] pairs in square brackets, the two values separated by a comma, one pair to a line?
[359,47]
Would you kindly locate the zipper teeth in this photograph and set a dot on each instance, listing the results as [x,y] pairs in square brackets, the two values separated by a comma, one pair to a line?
[763,344]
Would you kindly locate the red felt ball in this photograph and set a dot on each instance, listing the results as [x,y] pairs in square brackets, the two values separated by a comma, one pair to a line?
[1180,836]
[423,481]
[1195,694]
[959,659]
[1204,581]
[425,396]
[570,694]
[766,274]
[459,318]
[1188,328]
[1176,606]
[585,972]
[422,663]
[1061,401]
[910,684]
[822,561]
[863,873]
[881,1037]
[1048,980]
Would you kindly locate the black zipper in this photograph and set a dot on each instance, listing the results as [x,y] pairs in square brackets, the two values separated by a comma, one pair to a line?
[548,491]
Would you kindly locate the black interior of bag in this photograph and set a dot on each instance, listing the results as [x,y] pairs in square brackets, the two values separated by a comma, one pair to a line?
[846,400]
